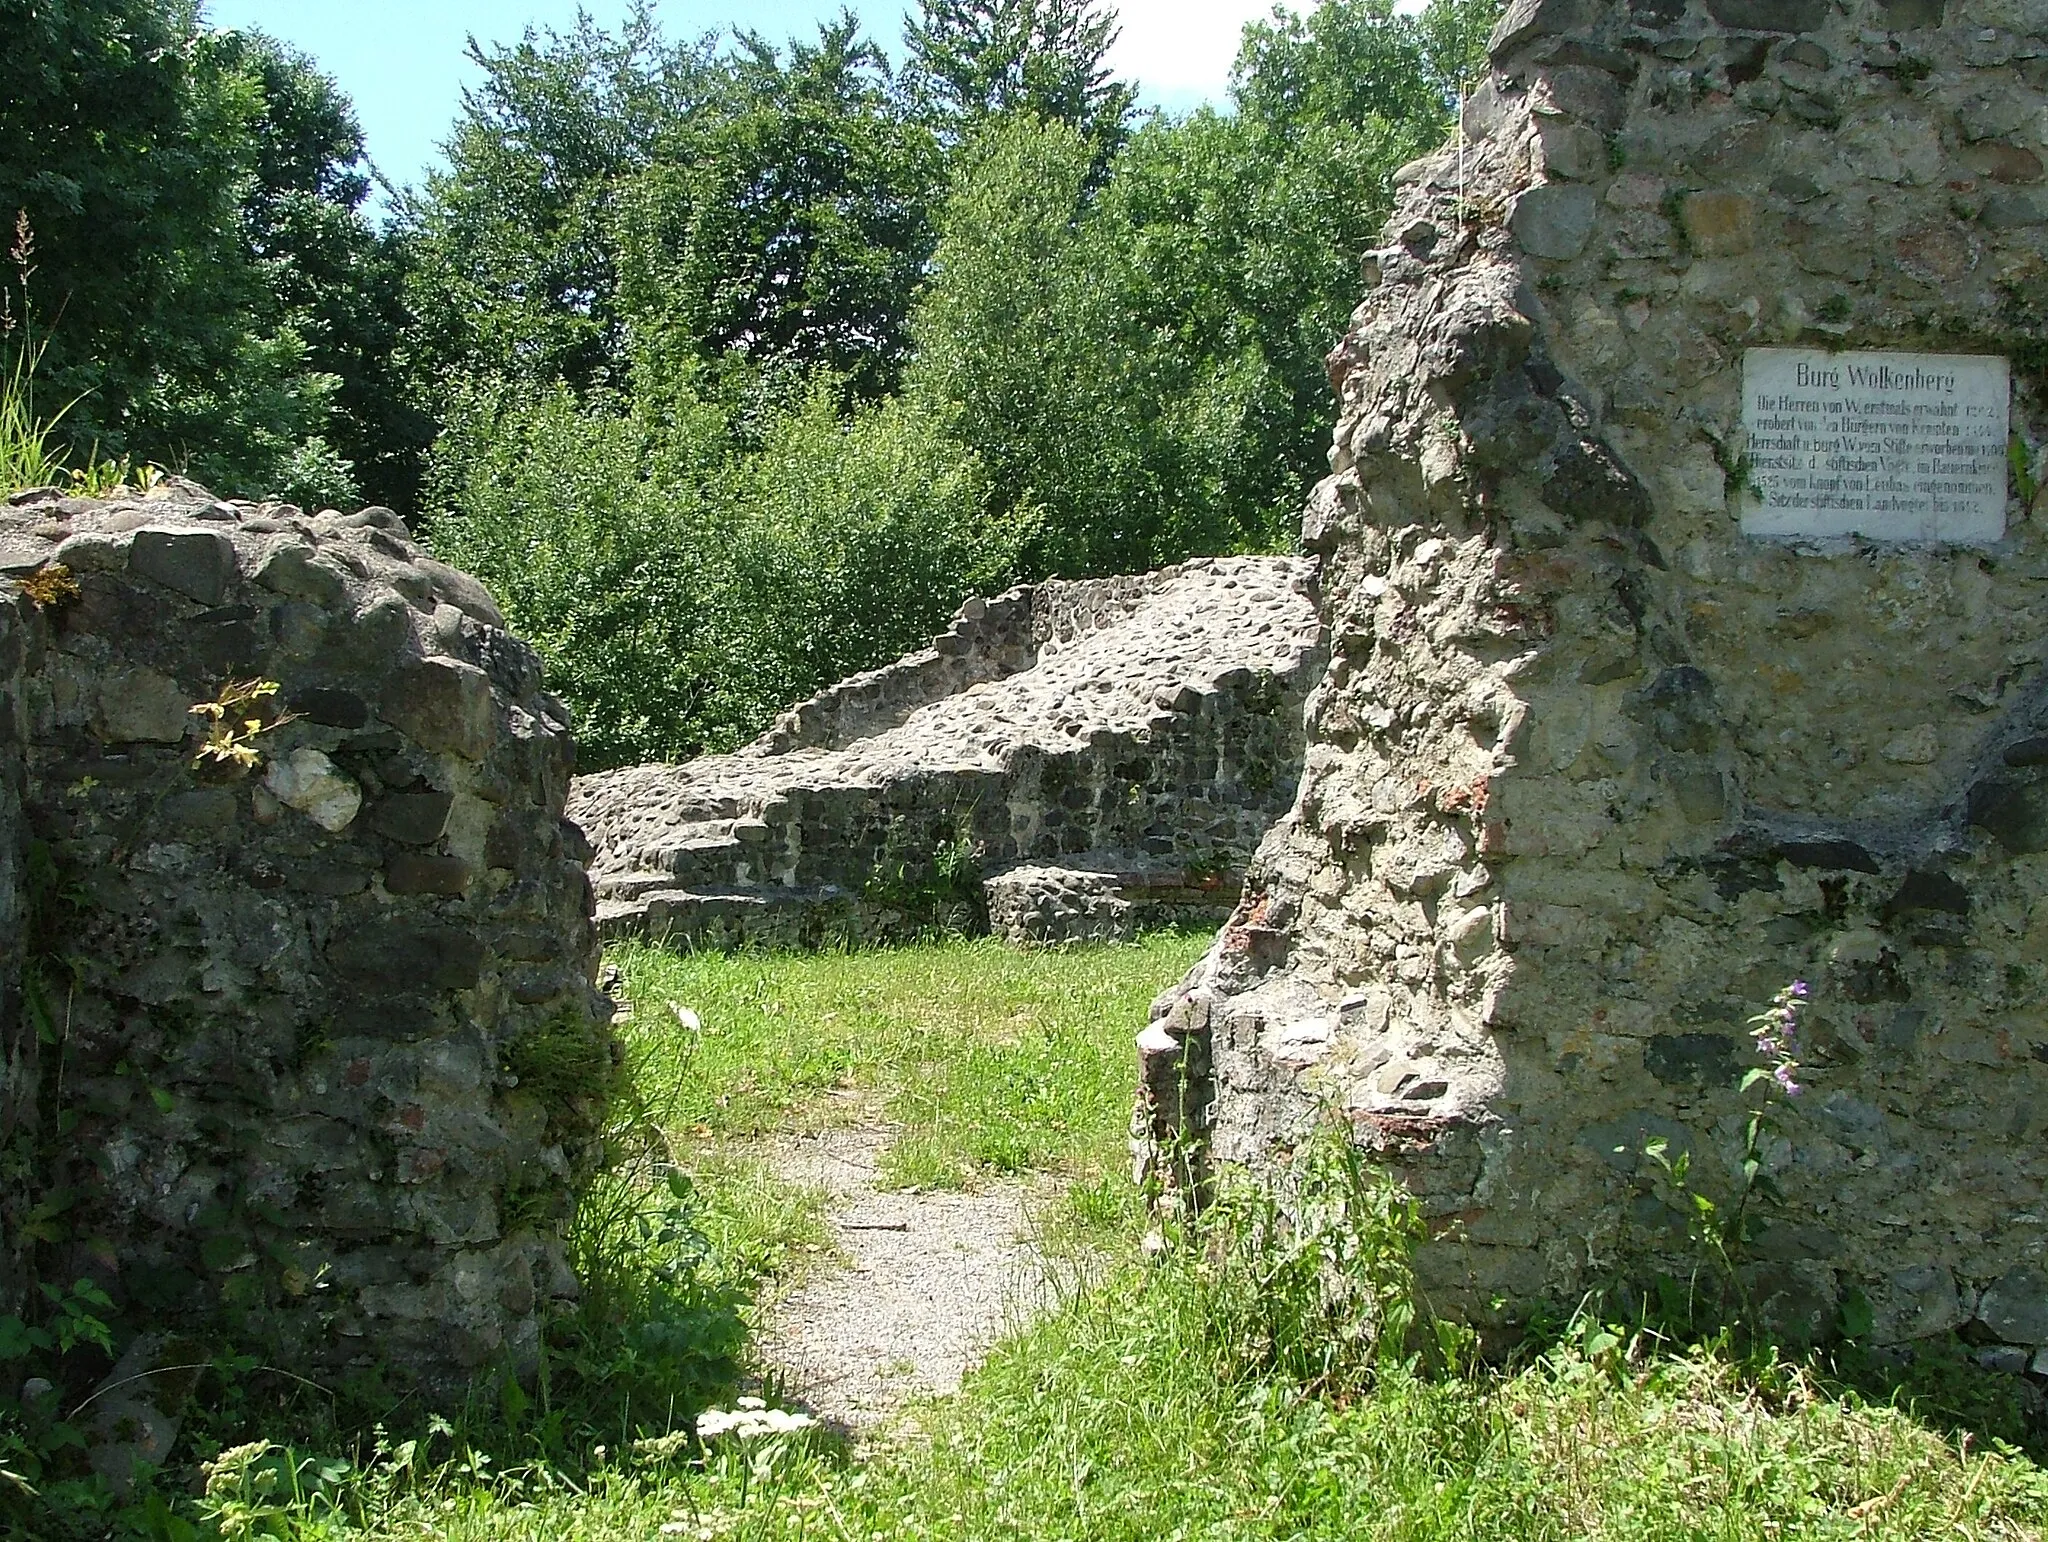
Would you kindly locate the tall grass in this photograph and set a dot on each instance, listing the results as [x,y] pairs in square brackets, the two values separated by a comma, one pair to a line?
[1266,1381]
[30,453]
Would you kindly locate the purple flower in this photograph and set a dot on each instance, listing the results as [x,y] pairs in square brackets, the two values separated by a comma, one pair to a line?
[1783,1074]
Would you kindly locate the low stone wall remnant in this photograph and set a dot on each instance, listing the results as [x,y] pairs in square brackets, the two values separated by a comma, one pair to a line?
[313,1054]
[1131,738]
[1686,638]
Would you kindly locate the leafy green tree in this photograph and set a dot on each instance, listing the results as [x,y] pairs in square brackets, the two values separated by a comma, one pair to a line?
[846,540]
[786,222]
[198,243]
[970,60]
[329,273]
[1357,63]
[563,510]
[517,257]
[1144,363]
[611,195]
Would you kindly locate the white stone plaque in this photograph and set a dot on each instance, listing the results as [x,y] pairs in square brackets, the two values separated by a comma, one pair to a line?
[1892,446]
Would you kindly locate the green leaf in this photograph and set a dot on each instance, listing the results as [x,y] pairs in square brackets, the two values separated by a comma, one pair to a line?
[18,1339]
[1857,1317]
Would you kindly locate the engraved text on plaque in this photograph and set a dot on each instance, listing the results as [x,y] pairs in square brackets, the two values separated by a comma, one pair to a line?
[1892,446]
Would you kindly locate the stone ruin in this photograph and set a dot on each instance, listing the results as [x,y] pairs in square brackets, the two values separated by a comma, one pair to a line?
[1686,637]
[1076,759]
[1669,629]
[307,1050]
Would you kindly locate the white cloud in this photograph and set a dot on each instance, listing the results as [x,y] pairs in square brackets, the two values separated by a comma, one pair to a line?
[1180,51]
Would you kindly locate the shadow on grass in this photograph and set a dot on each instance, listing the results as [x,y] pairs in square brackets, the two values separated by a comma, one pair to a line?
[1941,1385]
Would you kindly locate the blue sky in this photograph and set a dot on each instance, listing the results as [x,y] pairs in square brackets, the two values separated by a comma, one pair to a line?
[402,60]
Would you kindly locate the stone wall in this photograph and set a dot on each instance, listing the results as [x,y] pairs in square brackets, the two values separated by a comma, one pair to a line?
[1591,773]
[328,1058]
[988,640]
[1143,730]
[17,1057]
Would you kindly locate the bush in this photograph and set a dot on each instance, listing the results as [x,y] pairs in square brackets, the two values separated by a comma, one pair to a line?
[687,569]
[843,544]
[555,506]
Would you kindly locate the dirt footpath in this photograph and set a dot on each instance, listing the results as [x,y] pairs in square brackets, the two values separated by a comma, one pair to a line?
[932,1280]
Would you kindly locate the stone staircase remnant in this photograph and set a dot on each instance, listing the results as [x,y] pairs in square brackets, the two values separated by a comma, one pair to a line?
[1137,734]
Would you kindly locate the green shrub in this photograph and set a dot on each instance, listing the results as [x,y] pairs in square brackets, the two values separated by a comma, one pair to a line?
[687,568]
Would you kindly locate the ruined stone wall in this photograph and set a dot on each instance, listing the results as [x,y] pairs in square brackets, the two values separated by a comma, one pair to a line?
[331,1056]
[1591,773]
[1148,718]
[17,1064]
[987,641]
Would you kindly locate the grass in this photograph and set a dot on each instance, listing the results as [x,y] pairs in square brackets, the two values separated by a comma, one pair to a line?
[30,455]
[1121,1417]
[1194,1397]
[988,1060]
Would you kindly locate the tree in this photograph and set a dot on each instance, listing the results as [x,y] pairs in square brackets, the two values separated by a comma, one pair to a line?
[611,198]
[1008,334]
[195,209]
[786,223]
[1143,364]
[517,270]
[970,60]
[332,277]
[1357,63]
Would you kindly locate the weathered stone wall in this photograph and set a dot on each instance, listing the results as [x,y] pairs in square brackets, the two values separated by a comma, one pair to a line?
[331,1055]
[17,1057]
[987,640]
[1590,774]
[1130,719]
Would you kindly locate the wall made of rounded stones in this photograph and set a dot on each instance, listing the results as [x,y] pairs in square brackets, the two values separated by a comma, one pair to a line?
[1595,767]
[17,1051]
[328,1062]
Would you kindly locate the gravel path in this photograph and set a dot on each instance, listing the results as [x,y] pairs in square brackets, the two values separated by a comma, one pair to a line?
[934,1278]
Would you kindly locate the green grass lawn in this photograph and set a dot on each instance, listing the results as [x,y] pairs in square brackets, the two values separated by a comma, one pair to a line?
[989,1060]
[1146,1404]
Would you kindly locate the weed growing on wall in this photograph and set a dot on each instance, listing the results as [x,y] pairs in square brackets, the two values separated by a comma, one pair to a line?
[1720,1231]
[50,587]
[235,719]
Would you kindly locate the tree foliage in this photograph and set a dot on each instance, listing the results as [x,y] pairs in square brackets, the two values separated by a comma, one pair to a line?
[517,273]
[682,586]
[786,223]
[206,291]
[609,193]
[973,60]
[1144,361]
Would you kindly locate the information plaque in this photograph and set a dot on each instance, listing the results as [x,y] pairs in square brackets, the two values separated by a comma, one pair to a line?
[1890,446]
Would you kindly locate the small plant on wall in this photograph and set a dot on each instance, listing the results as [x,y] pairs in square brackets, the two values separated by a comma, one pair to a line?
[1720,1230]
[235,720]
